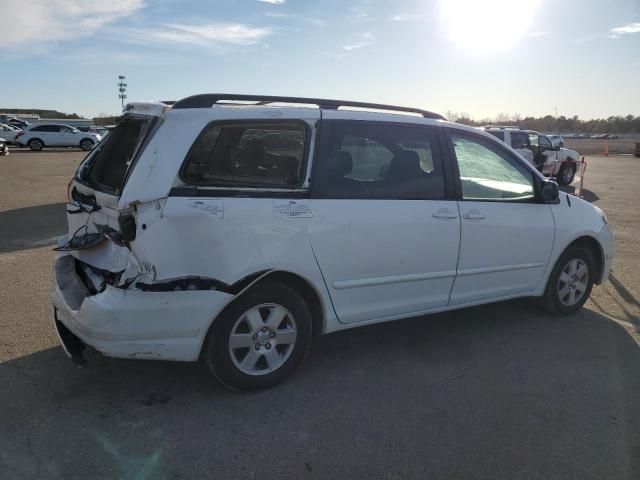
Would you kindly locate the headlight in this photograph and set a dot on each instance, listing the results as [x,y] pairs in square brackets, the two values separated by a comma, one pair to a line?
[602,214]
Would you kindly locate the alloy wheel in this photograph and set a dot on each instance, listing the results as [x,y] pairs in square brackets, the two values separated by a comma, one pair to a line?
[573,282]
[262,339]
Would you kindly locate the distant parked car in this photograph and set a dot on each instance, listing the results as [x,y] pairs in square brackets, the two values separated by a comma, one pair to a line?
[8,133]
[102,131]
[4,150]
[550,159]
[16,122]
[36,137]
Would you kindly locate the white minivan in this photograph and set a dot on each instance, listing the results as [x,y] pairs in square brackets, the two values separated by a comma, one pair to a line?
[234,228]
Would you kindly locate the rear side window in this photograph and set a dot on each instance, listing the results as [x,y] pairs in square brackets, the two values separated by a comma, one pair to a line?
[375,160]
[499,135]
[105,168]
[46,128]
[519,140]
[269,154]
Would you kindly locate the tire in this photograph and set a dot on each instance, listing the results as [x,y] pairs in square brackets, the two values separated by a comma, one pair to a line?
[86,144]
[243,349]
[35,144]
[566,174]
[558,297]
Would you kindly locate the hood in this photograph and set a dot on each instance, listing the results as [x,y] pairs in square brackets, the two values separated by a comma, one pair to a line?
[570,153]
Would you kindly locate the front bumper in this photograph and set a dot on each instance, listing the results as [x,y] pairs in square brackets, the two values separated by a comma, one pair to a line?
[606,239]
[132,323]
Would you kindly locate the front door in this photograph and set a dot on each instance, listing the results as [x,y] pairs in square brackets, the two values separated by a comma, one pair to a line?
[506,236]
[384,234]
[68,136]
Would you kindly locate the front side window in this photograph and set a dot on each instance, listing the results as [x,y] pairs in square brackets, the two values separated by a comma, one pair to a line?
[489,173]
[248,155]
[533,139]
[373,160]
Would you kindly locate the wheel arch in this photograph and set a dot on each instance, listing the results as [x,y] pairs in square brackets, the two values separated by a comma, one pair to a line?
[591,244]
[36,138]
[299,283]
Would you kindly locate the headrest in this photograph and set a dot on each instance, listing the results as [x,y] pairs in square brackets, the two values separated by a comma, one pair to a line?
[341,162]
[404,165]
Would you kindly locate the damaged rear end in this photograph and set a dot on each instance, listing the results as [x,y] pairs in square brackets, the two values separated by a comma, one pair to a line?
[106,292]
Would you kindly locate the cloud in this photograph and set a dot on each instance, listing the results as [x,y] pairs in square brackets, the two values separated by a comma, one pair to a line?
[360,12]
[407,17]
[537,34]
[625,30]
[297,18]
[40,22]
[205,35]
[273,2]
[359,41]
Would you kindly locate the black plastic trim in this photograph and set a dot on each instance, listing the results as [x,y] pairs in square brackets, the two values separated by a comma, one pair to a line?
[207,100]
[219,192]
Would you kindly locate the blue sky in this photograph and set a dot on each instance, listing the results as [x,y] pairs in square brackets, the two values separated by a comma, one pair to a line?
[481,57]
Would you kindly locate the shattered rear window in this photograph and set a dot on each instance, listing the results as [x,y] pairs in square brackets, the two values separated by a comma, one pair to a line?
[107,166]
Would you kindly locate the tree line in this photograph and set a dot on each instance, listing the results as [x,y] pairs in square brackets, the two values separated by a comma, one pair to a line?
[549,123]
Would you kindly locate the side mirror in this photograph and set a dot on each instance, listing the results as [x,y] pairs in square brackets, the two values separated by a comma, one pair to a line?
[557,147]
[549,192]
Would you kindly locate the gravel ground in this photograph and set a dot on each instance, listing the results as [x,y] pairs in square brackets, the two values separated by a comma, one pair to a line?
[500,391]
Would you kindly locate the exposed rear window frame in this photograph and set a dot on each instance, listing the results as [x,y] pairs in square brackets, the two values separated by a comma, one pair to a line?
[251,188]
[154,122]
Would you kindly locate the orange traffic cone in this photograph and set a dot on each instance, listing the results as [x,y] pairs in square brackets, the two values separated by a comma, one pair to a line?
[606,149]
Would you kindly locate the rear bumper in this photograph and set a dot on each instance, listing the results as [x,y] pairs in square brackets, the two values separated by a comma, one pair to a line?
[132,323]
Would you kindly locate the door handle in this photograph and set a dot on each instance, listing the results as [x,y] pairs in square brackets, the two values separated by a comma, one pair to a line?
[474,216]
[444,215]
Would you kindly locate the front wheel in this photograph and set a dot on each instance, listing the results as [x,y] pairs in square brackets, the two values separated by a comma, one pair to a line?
[570,282]
[260,338]
[86,144]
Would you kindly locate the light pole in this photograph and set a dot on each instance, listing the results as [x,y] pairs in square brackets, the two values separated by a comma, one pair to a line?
[122,89]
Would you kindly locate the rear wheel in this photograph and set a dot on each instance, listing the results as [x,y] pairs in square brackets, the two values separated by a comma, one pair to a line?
[570,282]
[260,338]
[35,144]
[86,144]
[566,174]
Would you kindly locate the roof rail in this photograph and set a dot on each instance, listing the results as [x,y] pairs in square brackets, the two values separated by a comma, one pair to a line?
[503,127]
[207,100]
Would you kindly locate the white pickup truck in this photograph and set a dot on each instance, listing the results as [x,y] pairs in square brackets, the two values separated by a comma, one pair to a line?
[551,160]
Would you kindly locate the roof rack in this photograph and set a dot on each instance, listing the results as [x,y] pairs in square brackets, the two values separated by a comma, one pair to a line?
[207,100]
